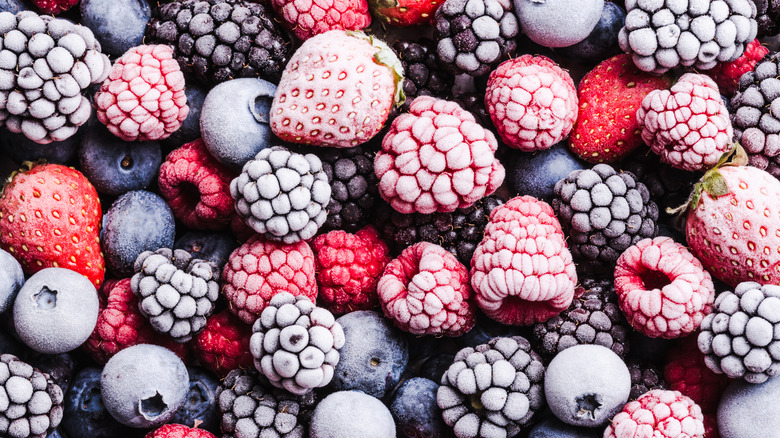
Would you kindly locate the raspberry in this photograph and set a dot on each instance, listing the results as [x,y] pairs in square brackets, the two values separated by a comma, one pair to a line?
[121,325]
[686,371]
[308,18]
[436,158]
[522,272]
[688,125]
[260,269]
[224,344]
[179,431]
[348,269]
[662,288]
[197,187]
[143,97]
[532,102]
[727,74]
[426,291]
[54,6]
[659,414]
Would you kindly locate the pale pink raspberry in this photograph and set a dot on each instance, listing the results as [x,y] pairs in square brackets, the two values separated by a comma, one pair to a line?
[662,288]
[260,269]
[522,271]
[688,125]
[143,97]
[532,102]
[437,158]
[658,413]
[306,18]
[426,291]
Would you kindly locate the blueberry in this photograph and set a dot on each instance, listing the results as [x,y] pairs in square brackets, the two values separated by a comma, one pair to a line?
[415,410]
[748,410]
[552,427]
[118,25]
[11,279]
[436,366]
[374,355]
[138,221]
[586,385]
[234,120]
[603,40]
[10,343]
[558,23]
[13,6]
[20,148]
[56,310]
[485,330]
[85,415]
[351,414]
[60,367]
[144,385]
[115,166]
[190,128]
[210,246]
[200,404]
[536,174]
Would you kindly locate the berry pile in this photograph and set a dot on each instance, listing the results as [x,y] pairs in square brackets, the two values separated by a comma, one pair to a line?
[389,218]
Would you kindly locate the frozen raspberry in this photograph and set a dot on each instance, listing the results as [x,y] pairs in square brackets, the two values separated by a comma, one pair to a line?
[224,344]
[522,272]
[54,7]
[426,291]
[437,158]
[306,18]
[260,269]
[197,187]
[532,102]
[727,74]
[662,288]
[659,414]
[120,325]
[179,431]
[348,269]
[688,125]
[143,97]
[686,371]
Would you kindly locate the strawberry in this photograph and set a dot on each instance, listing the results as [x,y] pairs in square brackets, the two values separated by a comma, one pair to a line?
[50,217]
[337,90]
[404,12]
[732,221]
[609,95]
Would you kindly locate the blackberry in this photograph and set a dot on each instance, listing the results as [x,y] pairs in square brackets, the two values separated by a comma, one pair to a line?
[248,408]
[458,232]
[593,318]
[755,114]
[282,194]
[699,34]
[474,36]
[492,390]
[423,75]
[175,291]
[645,376]
[604,212]
[30,402]
[219,40]
[767,17]
[354,187]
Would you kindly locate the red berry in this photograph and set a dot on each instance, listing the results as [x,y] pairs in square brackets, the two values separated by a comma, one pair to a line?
[179,431]
[405,12]
[306,18]
[224,344]
[658,413]
[727,75]
[54,6]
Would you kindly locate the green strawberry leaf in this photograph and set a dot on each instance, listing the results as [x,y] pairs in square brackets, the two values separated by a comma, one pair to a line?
[387,57]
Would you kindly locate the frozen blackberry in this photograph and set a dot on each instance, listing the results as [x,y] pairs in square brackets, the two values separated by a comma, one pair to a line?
[459,232]
[282,194]
[46,65]
[354,187]
[604,212]
[645,376]
[423,75]
[662,35]
[219,40]
[739,337]
[474,36]
[175,291]
[755,114]
[492,390]
[593,318]
[295,343]
[250,409]
[30,402]
[767,17]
